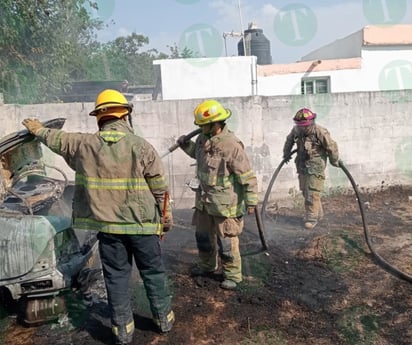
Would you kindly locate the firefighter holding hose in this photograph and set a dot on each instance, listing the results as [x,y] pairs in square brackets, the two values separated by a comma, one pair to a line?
[227,190]
[314,146]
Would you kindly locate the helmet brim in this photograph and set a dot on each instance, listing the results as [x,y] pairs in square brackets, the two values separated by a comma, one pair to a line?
[103,108]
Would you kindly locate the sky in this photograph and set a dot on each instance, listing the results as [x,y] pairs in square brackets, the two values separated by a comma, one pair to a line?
[293,28]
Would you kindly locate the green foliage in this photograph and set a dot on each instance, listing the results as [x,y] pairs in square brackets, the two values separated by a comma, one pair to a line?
[45,45]
[358,326]
[258,268]
[176,53]
[344,252]
[42,47]
[122,59]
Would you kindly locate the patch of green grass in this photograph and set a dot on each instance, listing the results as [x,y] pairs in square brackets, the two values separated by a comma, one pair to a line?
[343,252]
[259,271]
[358,326]
[265,337]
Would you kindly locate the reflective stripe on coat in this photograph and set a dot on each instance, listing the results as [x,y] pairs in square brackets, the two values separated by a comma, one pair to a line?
[227,181]
[119,181]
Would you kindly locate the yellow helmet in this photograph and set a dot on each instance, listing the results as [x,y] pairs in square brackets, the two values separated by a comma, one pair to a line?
[210,111]
[111,99]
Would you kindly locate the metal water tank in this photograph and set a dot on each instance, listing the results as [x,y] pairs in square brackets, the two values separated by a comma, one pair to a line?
[255,44]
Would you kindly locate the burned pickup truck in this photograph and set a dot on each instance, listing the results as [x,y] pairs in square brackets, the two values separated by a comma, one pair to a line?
[41,255]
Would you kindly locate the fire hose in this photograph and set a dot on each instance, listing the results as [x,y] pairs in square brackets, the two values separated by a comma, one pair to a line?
[377,258]
[186,138]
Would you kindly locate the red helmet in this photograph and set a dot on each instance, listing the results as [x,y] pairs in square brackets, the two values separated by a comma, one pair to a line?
[304,117]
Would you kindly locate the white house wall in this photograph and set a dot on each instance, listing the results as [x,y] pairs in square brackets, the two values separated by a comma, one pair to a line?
[388,68]
[283,84]
[207,77]
[236,76]
[290,84]
[382,68]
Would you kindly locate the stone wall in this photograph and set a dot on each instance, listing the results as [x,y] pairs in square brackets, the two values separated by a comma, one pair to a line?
[373,131]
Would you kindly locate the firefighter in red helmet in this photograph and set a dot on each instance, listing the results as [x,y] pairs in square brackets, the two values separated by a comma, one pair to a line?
[314,146]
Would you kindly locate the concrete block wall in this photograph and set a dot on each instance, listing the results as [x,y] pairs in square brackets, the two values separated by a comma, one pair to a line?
[373,131]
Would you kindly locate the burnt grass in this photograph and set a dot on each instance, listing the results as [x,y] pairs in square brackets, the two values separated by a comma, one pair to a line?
[310,287]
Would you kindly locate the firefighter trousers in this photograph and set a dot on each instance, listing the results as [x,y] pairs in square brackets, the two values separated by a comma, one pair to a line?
[217,237]
[117,253]
[312,187]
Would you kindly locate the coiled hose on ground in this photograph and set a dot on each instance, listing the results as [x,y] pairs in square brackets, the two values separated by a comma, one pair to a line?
[377,258]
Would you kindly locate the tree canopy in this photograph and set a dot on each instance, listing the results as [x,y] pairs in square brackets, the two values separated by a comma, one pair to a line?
[42,46]
[45,45]
[123,59]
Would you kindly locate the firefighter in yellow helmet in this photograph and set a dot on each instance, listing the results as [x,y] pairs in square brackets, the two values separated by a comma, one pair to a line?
[111,104]
[227,189]
[119,191]
[314,146]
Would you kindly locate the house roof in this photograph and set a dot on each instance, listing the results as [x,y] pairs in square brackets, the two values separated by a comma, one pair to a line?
[309,66]
[328,56]
[387,34]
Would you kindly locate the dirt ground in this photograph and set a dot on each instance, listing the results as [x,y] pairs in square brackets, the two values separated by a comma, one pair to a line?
[320,287]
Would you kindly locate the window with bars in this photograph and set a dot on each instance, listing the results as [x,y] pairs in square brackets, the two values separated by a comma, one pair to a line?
[315,85]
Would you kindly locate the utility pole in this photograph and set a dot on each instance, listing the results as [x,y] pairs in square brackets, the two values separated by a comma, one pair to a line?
[241,29]
[231,34]
[236,34]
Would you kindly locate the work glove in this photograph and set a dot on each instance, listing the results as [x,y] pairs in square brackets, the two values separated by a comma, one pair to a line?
[167,223]
[182,141]
[286,159]
[33,125]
